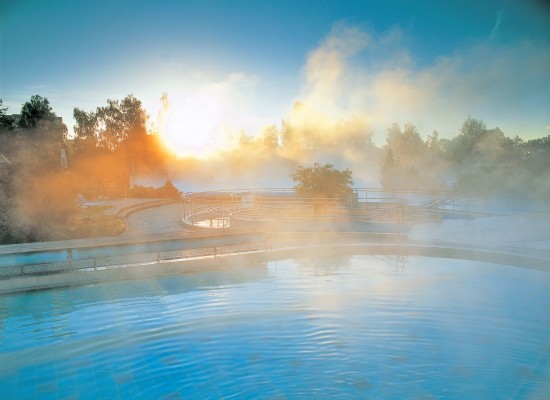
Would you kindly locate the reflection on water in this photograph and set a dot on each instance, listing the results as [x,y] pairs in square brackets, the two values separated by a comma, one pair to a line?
[358,327]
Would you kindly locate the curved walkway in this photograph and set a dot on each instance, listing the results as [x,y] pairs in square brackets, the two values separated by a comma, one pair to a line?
[144,218]
[161,220]
[522,233]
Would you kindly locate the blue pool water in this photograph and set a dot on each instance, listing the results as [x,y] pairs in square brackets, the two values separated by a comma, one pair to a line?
[347,327]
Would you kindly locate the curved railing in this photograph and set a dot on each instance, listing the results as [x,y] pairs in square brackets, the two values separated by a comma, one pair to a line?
[280,206]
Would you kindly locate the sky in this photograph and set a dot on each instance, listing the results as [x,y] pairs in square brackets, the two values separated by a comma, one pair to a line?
[241,65]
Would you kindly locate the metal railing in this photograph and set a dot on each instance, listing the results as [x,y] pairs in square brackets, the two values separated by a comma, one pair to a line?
[271,208]
[262,210]
[94,257]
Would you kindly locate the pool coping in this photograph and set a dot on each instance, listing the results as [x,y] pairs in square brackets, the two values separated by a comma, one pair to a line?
[149,269]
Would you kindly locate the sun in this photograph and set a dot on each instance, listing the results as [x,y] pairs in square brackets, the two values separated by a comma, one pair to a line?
[190,126]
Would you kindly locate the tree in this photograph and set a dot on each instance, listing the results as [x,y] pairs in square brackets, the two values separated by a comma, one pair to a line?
[411,163]
[114,125]
[322,181]
[2,111]
[473,127]
[169,190]
[270,139]
[36,109]
[465,146]
[5,122]
[85,130]
[39,121]
[41,135]
[389,174]
[407,145]
[116,136]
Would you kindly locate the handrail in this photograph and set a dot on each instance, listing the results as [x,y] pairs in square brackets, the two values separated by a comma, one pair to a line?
[49,260]
[291,190]
[228,208]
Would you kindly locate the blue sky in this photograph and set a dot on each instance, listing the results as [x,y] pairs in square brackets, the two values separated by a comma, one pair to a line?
[430,63]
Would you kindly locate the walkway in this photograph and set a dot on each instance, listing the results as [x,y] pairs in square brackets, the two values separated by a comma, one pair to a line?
[145,218]
[156,221]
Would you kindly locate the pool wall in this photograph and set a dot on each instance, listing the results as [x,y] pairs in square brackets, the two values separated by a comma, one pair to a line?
[261,248]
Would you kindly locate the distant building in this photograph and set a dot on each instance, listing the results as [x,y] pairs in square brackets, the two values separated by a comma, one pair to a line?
[12,121]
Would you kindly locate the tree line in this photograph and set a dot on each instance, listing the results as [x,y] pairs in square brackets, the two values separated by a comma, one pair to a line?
[478,160]
[39,189]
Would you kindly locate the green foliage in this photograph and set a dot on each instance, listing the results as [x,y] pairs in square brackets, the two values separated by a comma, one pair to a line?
[168,190]
[112,144]
[41,126]
[5,122]
[270,138]
[111,126]
[406,143]
[478,160]
[36,109]
[2,109]
[85,130]
[473,128]
[411,163]
[390,176]
[36,195]
[322,182]
[264,145]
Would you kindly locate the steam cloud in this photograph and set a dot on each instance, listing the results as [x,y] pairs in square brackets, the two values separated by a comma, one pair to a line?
[354,73]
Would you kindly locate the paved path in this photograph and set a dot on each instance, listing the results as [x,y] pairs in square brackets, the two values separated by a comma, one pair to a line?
[155,221]
[145,219]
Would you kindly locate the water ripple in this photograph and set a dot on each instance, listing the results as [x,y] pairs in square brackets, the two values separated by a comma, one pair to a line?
[358,330]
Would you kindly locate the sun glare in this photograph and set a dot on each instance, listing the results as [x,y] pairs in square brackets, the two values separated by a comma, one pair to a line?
[189,127]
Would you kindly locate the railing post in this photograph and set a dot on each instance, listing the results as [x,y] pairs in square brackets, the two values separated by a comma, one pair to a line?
[402,212]
[184,210]
[70,258]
